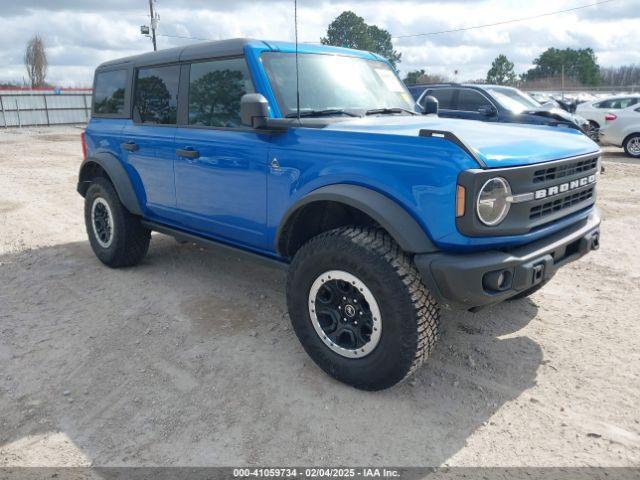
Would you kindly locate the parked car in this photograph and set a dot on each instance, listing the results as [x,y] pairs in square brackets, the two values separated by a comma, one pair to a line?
[381,215]
[596,110]
[495,103]
[622,129]
[416,90]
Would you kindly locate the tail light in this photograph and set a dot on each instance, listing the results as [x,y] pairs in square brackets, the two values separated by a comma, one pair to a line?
[610,117]
[84,145]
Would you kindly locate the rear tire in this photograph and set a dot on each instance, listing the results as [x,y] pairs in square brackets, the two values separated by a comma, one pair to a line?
[632,145]
[363,272]
[117,237]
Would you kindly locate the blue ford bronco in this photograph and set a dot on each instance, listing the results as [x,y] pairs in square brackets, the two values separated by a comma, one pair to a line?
[317,159]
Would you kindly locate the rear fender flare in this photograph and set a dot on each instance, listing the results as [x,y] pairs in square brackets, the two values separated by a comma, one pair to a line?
[118,176]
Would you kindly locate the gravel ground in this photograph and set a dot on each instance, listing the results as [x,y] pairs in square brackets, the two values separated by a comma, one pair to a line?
[189,359]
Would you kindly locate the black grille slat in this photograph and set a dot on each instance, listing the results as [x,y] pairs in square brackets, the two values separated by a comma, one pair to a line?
[562,203]
[566,170]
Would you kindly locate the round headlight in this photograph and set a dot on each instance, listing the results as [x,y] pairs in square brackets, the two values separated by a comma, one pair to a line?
[493,204]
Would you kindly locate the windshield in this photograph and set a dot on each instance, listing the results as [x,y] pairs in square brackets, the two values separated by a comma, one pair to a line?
[513,99]
[334,82]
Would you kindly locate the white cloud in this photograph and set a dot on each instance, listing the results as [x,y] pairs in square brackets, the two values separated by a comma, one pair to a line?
[80,34]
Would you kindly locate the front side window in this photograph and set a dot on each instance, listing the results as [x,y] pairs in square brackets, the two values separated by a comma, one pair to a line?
[156,99]
[334,82]
[108,95]
[471,101]
[444,97]
[215,90]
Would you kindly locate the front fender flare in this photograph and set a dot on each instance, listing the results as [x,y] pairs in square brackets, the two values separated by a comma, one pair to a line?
[118,176]
[404,229]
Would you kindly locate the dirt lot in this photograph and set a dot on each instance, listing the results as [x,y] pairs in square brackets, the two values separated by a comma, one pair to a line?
[189,359]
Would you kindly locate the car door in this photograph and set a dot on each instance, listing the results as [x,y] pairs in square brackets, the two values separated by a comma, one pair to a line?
[148,140]
[220,165]
[469,103]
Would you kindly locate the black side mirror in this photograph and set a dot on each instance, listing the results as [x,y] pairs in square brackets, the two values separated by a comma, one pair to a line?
[254,110]
[487,110]
[429,105]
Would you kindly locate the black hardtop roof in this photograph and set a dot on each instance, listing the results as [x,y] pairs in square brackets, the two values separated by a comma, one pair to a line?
[221,48]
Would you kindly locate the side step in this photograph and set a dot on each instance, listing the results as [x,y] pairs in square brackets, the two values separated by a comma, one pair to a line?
[189,237]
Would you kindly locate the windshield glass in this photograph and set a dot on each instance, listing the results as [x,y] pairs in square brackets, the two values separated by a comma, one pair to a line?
[334,82]
[513,99]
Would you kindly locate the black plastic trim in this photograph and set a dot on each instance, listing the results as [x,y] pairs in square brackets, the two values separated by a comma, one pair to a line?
[453,139]
[386,212]
[118,176]
[517,221]
[191,237]
[456,280]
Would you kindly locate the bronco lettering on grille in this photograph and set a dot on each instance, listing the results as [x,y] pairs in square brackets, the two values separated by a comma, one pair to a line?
[564,187]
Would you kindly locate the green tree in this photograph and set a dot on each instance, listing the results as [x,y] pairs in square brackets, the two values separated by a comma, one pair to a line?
[413,77]
[581,65]
[153,101]
[501,72]
[351,31]
[214,99]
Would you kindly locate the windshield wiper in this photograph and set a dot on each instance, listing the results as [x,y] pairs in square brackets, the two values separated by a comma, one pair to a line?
[375,111]
[321,113]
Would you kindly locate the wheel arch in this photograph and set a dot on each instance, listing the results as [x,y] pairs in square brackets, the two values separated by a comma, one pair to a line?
[629,135]
[338,205]
[106,164]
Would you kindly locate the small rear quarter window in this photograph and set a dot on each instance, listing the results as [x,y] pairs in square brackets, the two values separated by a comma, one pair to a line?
[108,95]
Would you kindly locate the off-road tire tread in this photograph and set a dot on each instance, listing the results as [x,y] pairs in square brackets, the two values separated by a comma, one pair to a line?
[425,307]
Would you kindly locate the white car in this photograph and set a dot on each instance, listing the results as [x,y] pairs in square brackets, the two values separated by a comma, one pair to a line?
[595,110]
[622,129]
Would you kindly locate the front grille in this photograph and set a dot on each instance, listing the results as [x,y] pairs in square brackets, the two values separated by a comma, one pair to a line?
[566,170]
[547,192]
[540,211]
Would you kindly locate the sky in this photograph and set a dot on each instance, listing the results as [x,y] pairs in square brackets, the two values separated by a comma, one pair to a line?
[80,34]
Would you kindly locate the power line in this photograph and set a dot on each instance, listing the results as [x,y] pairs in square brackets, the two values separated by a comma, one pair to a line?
[186,37]
[475,27]
[503,22]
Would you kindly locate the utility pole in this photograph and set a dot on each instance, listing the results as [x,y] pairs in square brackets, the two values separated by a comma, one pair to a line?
[154,24]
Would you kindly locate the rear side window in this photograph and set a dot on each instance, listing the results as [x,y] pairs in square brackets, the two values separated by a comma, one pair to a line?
[471,101]
[617,103]
[215,89]
[444,97]
[156,98]
[108,95]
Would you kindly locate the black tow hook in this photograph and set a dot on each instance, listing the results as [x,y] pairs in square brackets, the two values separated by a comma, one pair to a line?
[595,242]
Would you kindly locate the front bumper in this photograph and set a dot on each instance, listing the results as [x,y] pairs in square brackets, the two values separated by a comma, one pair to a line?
[469,281]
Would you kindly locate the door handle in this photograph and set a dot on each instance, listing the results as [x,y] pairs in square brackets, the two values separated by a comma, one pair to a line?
[187,152]
[130,146]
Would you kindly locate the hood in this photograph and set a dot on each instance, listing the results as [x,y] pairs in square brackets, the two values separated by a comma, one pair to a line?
[495,144]
[551,111]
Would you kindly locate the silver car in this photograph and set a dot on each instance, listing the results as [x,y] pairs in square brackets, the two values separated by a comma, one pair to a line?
[595,111]
[622,129]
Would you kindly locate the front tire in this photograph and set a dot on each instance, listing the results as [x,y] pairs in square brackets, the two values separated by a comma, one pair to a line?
[359,308]
[117,237]
[632,145]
